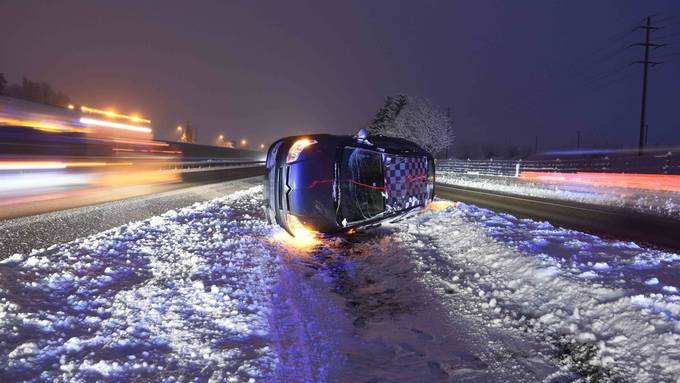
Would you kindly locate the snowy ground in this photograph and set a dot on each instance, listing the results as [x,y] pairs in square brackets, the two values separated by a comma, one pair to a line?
[211,292]
[657,202]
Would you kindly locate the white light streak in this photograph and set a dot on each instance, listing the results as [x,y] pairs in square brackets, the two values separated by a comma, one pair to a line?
[30,165]
[115,125]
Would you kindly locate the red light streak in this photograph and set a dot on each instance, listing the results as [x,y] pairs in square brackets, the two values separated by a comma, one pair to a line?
[318,182]
[314,183]
[659,182]
[409,179]
[367,186]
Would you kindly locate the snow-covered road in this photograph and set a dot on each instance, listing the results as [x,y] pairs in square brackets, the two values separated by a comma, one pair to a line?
[456,293]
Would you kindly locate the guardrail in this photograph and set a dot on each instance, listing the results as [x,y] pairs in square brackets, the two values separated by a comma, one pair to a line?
[665,163]
[207,165]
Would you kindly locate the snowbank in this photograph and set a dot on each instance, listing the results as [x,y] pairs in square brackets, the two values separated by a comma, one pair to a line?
[600,327]
[181,296]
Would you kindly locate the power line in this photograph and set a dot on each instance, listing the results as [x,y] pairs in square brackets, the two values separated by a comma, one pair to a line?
[575,66]
[596,62]
[594,77]
[670,33]
[613,78]
[667,55]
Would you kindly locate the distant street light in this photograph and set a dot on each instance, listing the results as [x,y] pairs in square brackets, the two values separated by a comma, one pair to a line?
[70,106]
[244,142]
[261,146]
[183,134]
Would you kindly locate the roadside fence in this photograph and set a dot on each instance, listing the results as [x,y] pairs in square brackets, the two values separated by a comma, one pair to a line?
[665,163]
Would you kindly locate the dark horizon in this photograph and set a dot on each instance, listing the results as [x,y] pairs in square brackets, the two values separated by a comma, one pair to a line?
[262,71]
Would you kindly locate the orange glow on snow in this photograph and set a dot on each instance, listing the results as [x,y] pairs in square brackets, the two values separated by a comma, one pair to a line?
[303,238]
[440,205]
[299,242]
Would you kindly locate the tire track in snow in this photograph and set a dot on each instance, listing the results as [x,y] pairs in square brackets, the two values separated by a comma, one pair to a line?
[597,331]
[395,330]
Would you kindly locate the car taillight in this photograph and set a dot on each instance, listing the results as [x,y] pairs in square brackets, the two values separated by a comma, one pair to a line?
[297,148]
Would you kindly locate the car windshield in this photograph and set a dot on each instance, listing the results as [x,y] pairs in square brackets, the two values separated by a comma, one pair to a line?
[361,184]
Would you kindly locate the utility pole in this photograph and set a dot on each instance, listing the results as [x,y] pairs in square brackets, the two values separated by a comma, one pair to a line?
[536,145]
[448,143]
[646,133]
[646,63]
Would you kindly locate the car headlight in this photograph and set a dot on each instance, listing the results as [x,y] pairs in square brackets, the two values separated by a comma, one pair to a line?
[297,148]
[297,229]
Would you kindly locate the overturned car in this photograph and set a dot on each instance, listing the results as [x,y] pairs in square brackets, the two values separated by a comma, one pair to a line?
[336,184]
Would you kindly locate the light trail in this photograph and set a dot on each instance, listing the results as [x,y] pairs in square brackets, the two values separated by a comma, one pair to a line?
[114,114]
[32,165]
[145,143]
[658,182]
[115,125]
[42,125]
[50,165]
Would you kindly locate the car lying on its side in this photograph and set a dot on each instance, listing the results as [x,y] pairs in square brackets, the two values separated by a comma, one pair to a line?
[334,184]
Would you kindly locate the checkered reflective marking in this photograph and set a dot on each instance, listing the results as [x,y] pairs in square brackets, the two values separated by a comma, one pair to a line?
[405,182]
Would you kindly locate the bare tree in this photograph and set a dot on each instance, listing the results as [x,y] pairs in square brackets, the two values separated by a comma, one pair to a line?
[416,119]
[37,92]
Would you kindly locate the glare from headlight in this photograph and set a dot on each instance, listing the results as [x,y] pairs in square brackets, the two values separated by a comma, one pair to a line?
[297,148]
[302,238]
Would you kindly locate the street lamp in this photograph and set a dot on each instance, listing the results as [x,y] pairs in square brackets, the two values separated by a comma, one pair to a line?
[261,146]
[243,142]
[183,134]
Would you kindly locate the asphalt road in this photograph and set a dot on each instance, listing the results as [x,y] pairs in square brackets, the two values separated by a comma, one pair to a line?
[21,235]
[624,224]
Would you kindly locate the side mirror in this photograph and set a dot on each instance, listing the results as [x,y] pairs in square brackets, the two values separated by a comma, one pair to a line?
[361,134]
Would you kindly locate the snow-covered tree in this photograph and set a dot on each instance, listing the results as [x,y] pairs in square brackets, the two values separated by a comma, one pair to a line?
[384,119]
[416,119]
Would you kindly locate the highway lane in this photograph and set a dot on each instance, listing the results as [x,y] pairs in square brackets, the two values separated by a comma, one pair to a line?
[624,224]
[67,198]
[21,235]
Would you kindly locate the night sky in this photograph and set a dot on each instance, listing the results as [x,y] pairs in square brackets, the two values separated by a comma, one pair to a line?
[509,70]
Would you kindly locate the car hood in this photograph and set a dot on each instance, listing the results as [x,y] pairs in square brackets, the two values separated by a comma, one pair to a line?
[311,194]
